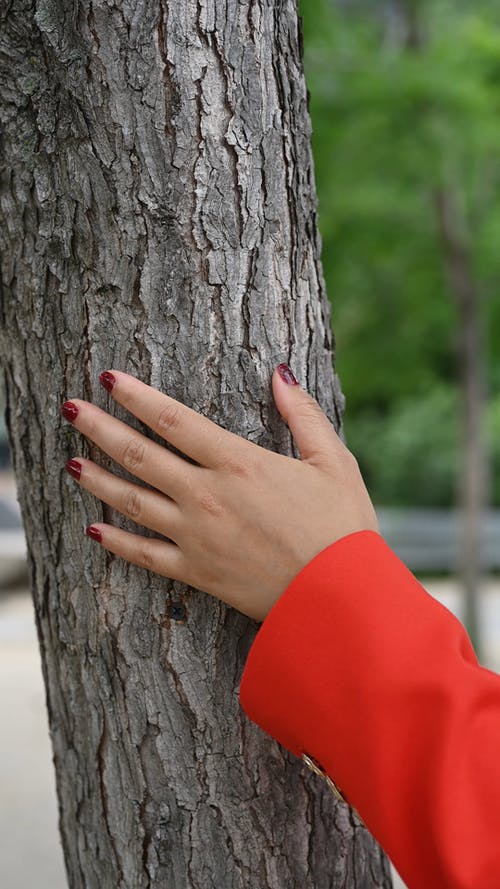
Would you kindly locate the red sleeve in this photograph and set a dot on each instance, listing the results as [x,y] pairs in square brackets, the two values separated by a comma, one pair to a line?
[359,667]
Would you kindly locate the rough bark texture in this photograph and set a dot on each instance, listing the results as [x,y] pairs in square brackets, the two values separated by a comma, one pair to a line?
[159,216]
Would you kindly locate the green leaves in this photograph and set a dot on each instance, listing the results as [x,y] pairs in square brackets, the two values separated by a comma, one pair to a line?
[393,120]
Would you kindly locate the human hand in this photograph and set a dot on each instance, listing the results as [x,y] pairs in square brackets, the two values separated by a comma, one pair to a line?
[244,521]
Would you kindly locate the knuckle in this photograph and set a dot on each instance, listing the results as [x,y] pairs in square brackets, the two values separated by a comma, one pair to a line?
[239,467]
[145,556]
[168,418]
[244,458]
[210,504]
[133,453]
[131,503]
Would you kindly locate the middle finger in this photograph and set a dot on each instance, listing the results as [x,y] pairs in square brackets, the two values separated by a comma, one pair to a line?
[148,508]
[144,458]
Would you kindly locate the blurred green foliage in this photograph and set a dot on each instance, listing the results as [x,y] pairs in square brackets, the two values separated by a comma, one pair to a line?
[392,121]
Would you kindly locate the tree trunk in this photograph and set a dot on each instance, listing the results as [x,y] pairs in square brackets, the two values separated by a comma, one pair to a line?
[473,483]
[159,216]
[471,364]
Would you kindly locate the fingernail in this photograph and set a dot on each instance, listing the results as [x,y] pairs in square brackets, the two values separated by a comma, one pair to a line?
[69,411]
[74,468]
[287,375]
[94,533]
[107,379]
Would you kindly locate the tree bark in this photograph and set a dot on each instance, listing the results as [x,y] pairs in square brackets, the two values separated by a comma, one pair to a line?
[159,216]
[474,481]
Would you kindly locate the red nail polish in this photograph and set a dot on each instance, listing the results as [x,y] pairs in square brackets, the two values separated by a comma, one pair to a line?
[69,411]
[94,533]
[107,380]
[74,468]
[286,374]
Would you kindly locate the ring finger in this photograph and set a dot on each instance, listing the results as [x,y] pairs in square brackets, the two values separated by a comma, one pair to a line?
[148,508]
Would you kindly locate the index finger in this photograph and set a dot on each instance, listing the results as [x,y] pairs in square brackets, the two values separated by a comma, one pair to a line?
[187,430]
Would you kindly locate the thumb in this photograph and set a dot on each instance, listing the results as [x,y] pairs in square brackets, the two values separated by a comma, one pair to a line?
[312,431]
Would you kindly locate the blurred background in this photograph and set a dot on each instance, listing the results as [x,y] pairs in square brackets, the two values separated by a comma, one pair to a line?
[405,98]
[405,105]
[405,101]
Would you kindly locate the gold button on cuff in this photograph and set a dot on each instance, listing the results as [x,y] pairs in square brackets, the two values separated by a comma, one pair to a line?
[318,770]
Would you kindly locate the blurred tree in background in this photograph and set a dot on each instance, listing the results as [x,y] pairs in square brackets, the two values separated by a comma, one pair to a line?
[392,127]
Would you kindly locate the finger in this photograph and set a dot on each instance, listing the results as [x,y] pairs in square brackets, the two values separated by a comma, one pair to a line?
[186,429]
[312,431]
[148,508]
[146,459]
[158,556]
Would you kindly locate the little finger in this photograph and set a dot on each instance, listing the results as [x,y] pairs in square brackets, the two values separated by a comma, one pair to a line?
[158,556]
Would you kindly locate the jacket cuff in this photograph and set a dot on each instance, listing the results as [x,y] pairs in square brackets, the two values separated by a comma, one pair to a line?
[287,680]
[320,674]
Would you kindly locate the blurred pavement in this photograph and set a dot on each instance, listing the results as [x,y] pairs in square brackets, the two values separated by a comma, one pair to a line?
[30,853]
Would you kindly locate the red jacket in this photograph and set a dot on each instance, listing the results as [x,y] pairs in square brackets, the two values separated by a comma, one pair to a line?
[358,667]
